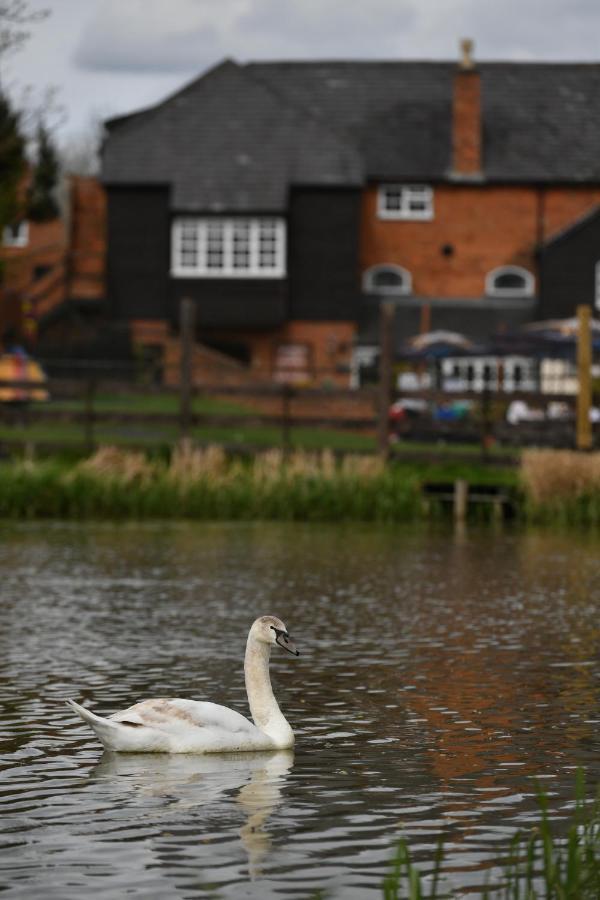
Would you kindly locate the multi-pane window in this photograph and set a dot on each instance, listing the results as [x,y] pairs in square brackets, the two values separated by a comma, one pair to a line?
[405,201]
[215,246]
[228,248]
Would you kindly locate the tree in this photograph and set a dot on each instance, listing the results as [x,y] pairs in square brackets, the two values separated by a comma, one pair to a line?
[12,162]
[42,205]
[15,17]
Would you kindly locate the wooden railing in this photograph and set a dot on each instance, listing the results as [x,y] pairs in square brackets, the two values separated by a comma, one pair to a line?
[95,405]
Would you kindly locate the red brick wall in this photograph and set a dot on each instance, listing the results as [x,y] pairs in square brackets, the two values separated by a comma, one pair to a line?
[330,346]
[46,246]
[87,238]
[486,226]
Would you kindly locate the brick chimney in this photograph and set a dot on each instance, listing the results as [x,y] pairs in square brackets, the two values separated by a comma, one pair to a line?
[466,116]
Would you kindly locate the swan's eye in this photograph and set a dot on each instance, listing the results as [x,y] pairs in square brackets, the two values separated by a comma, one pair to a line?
[279,633]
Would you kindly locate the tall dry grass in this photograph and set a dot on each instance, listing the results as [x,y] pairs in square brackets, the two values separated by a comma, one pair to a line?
[551,476]
[115,463]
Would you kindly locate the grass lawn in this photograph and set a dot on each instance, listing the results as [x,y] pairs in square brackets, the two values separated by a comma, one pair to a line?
[154,403]
[455,457]
[149,435]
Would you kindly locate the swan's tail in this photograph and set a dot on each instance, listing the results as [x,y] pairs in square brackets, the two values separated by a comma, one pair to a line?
[105,730]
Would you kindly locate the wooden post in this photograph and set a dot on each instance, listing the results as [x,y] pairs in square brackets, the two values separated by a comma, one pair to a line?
[386,358]
[461,496]
[486,421]
[584,378]
[187,326]
[90,394]
[286,395]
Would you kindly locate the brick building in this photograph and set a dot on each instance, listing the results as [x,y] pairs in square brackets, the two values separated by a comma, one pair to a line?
[53,289]
[287,199]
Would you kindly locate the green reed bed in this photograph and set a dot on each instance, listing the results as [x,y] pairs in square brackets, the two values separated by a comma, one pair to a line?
[204,484]
[553,487]
[540,865]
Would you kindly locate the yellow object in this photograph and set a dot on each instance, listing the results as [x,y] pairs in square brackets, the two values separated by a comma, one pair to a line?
[17,367]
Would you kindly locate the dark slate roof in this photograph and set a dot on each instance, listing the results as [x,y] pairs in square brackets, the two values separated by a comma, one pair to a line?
[589,218]
[541,121]
[236,137]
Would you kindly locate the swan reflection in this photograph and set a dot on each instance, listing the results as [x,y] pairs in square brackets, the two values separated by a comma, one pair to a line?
[190,781]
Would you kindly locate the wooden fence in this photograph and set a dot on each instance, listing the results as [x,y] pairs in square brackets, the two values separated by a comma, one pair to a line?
[92,405]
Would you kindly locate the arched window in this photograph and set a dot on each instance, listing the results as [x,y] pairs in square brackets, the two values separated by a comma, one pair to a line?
[509,281]
[387,279]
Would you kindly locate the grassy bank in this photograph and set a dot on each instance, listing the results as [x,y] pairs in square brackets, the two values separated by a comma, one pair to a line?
[203,484]
[551,487]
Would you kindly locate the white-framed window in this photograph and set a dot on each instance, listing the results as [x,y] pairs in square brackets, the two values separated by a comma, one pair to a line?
[16,235]
[480,373]
[228,248]
[509,281]
[597,286]
[405,201]
[387,279]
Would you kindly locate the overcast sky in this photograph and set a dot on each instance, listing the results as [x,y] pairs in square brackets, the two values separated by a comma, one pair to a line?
[107,57]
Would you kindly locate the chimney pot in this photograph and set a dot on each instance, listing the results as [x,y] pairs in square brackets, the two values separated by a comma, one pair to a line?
[466,54]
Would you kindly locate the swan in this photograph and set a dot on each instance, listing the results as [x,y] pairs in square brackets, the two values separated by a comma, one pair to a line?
[192,726]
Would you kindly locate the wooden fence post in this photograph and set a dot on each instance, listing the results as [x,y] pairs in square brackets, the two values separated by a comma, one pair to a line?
[90,394]
[286,396]
[461,497]
[187,326]
[386,342]
[584,378]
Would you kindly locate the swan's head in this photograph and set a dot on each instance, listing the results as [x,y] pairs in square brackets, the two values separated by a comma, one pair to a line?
[271,630]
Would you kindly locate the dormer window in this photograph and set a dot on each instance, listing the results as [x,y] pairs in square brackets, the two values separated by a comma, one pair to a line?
[510,281]
[16,234]
[387,279]
[405,201]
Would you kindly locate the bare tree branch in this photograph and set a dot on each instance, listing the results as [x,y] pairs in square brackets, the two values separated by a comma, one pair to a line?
[15,18]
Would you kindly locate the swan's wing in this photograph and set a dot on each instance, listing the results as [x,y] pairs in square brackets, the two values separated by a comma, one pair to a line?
[193,724]
[191,713]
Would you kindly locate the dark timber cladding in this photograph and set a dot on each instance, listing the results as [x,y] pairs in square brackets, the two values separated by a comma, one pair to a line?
[568,268]
[231,302]
[323,254]
[138,251]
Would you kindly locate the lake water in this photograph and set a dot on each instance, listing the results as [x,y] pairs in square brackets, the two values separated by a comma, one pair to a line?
[441,674]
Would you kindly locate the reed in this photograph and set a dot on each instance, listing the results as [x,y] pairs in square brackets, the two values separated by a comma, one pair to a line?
[539,866]
[204,484]
[561,485]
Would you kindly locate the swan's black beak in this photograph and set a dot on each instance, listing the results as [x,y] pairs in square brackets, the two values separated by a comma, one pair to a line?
[284,640]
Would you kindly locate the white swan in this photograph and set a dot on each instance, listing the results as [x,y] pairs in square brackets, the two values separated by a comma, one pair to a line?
[191,726]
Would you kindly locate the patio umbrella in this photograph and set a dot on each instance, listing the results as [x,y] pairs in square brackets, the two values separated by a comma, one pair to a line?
[560,328]
[558,337]
[437,345]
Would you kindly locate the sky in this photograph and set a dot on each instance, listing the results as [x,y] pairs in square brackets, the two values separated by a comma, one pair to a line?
[108,57]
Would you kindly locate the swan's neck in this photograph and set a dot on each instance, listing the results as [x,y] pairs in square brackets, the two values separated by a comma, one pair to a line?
[263,705]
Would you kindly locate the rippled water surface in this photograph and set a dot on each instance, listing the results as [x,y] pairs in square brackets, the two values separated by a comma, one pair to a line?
[440,675]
